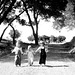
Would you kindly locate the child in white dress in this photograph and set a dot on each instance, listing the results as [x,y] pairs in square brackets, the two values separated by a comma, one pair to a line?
[30,55]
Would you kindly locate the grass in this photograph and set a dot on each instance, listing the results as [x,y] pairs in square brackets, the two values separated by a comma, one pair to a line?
[6,48]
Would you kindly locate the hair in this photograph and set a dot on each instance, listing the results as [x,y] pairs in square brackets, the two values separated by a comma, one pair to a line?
[18,43]
[29,47]
[41,42]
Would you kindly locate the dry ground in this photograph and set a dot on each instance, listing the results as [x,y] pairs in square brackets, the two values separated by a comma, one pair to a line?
[58,66]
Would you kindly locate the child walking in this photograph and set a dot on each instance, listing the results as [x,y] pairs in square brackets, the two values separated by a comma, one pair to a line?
[18,51]
[30,55]
[43,52]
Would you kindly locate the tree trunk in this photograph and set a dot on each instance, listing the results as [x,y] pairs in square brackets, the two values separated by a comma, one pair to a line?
[36,39]
[30,21]
[14,41]
[36,36]
[3,33]
[35,15]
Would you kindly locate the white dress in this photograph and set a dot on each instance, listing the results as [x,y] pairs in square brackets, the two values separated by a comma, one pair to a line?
[30,55]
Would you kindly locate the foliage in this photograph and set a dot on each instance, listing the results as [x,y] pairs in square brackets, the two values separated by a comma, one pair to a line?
[69,16]
[31,38]
[60,39]
[43,8]
[40,38]
[57,39]
[5,8]
[67,19]
[47,8]
[43,37]
[59,23]
[17,34]
[52,38]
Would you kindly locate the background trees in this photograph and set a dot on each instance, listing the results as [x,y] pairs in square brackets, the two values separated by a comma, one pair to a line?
[7,14]
[43,8]
[40,9]
[5,8]
[49,39]
[60,39]
[14,35]
[31,38]
[67,19]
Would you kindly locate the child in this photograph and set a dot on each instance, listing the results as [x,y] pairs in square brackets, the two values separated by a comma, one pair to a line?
[18,52]
[43,50]
[30,54]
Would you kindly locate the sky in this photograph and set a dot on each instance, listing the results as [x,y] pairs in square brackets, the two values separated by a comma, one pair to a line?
[45,28]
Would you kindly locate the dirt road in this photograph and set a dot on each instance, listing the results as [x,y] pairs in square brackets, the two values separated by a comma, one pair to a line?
[7,67]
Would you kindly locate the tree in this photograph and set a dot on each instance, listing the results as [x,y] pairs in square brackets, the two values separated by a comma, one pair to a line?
[5,8]
[43,8]
[60,39]
[68,17]
[17,35]
[8,16]
[31,38]
[52,38]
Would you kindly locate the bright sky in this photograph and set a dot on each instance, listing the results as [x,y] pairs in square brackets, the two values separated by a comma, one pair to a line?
[45,28]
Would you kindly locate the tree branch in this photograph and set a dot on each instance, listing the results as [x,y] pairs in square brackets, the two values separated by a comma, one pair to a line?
[7,11]
[28,17]
[27,25]
[1,2]
[16,17]
[3,8]
[10,25]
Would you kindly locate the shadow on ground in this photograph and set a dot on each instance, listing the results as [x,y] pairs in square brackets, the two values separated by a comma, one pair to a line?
[46,66]
[57,66]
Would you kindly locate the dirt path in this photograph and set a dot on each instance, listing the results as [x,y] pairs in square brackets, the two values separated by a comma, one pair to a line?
[51,68]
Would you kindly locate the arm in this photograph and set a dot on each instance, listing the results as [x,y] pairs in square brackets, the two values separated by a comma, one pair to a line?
[25,52]
[33,52]
[46,49]
[71,51]
[21,51]
[13,50]
[38,49]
